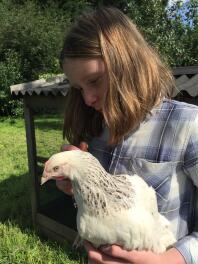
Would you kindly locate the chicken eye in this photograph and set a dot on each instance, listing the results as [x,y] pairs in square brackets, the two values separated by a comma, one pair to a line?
[56,168]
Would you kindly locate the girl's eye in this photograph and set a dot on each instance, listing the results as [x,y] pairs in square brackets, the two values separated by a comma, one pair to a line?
[95,80]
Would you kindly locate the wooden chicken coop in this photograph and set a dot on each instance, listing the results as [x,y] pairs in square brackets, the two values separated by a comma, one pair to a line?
[56,217]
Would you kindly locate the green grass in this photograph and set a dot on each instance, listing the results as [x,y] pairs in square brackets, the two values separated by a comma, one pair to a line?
[18,241]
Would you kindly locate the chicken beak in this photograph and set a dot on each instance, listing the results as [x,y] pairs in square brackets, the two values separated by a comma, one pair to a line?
[44,180]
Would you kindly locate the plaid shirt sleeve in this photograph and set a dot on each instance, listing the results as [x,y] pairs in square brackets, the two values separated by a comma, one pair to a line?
[188,246]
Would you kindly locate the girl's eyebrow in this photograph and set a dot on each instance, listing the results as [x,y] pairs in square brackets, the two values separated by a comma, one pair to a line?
[95,76]
[92,75]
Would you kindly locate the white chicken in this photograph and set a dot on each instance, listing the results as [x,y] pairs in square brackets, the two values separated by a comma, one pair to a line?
[112,209]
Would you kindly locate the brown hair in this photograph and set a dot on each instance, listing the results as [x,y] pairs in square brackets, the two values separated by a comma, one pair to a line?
[138,80]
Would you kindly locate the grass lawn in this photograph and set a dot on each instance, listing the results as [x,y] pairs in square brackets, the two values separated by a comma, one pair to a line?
[19,244]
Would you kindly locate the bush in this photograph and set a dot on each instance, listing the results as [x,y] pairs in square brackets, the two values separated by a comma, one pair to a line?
[172,30]
[30,41]
[10,72]
[35,34]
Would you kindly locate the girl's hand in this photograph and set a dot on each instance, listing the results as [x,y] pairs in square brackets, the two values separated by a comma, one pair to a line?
[116,255]
[65,185]
[83,146]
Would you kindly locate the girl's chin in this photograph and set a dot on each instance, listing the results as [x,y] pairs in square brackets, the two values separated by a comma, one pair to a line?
[98,109]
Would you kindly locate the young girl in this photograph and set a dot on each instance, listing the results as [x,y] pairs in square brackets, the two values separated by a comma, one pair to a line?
[119,104]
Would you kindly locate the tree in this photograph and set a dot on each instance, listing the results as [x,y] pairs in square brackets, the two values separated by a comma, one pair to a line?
[164,26]
[30,42]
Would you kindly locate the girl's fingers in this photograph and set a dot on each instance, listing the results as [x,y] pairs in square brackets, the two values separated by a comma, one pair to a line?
[96,256]
[116,251]
[67,147]
[65,186]
[83,146]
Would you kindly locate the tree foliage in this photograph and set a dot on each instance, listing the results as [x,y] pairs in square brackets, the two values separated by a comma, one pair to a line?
[35,35]
[172,30]
[31,37]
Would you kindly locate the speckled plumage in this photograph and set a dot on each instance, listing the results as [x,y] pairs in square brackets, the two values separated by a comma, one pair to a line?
[112,209]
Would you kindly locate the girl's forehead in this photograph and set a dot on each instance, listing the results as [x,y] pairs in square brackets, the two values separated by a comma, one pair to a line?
[88,64]
[83,68]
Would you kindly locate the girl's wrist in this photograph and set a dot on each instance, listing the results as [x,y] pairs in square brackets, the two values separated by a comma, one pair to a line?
[172,256]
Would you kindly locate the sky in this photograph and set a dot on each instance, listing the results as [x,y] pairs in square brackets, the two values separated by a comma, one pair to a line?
[183,10]
[170,2]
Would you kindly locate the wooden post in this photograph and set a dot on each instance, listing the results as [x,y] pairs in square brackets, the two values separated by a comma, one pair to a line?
[32,160]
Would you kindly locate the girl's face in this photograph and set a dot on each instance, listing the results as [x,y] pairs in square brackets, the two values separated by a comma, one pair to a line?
[90,78]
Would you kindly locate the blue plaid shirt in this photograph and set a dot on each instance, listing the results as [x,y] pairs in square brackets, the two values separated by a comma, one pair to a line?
[163,150]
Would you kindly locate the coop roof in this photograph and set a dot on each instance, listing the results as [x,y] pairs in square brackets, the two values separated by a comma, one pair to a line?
[54,86]
[186,80]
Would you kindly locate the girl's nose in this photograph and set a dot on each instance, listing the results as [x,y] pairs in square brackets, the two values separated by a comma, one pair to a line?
[90,98]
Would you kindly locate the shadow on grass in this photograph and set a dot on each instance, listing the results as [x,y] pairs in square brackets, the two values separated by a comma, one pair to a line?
[15,201]
[42,122]
[15,208]
[46,123]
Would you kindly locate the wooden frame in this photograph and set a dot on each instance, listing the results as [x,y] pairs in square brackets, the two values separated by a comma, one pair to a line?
[42,221]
